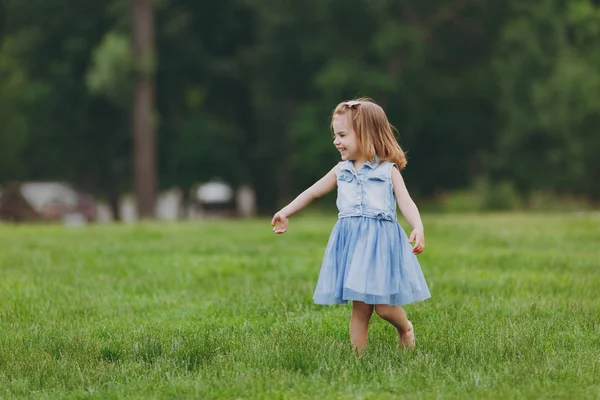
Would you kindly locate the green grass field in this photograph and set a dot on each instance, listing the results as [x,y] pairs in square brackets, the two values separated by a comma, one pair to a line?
[223,310]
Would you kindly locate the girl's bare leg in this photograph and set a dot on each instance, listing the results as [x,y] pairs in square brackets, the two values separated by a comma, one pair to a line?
[359,325]
[396,316]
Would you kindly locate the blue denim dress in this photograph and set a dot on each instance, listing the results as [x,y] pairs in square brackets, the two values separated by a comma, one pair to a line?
[368,257]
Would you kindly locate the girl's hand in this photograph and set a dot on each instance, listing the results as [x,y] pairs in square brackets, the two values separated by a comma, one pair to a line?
[418,237]
[281,221]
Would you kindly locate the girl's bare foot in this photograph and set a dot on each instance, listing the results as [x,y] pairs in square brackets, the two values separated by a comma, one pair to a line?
[406,339]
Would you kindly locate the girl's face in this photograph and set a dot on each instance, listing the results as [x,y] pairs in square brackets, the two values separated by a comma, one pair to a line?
[344,138]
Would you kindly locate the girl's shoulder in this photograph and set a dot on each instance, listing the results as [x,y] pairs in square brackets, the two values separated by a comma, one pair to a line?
[386,166]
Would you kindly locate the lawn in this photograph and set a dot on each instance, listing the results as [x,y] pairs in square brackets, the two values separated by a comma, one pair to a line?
[223,310]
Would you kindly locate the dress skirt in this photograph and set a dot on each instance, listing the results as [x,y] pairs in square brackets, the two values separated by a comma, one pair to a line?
[369,260]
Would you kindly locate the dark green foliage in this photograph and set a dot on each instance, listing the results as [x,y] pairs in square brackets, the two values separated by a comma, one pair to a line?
[500,90]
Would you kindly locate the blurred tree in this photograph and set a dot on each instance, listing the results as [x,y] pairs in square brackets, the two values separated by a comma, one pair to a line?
[425,63]
[13,104]
[45,47]
[143,119]
[206,121]
[110,73]
[547,65]
[109,81]
[245,88]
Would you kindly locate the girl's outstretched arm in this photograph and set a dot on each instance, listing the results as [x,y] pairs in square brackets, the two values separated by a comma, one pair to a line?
[323,186]
[409,210]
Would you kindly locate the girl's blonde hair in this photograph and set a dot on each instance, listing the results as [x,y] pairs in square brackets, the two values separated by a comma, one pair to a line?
[374,133]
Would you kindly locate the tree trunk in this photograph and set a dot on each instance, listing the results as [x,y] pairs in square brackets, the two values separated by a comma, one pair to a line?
[112,188]
[144,152]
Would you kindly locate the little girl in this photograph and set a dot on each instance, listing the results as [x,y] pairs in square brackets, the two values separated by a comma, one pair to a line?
[368,259]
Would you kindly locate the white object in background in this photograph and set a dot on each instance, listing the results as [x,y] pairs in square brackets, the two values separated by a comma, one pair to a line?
[74,220]
[246,202]
[214,192]
[128,209]
[104,213]
[38,194]
[169,205]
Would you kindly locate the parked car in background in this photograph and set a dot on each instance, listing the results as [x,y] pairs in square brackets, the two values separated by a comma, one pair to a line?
[44,201]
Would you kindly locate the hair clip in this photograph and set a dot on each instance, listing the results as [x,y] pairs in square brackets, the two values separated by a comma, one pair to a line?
[352,104]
